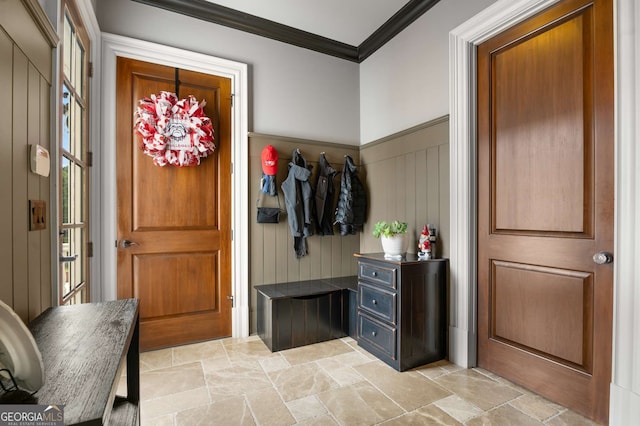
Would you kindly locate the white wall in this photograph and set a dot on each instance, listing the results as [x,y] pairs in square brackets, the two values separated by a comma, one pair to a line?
[406,82]
[294,92]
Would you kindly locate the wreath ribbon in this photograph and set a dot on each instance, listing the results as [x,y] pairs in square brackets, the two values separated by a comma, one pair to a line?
[175,132]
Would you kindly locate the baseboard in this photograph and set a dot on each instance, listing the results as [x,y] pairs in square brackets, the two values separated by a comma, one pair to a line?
[624,407]
[460,351]
[240,321]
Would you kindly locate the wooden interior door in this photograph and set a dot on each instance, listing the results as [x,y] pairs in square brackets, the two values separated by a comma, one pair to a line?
[545,204]
[177,219]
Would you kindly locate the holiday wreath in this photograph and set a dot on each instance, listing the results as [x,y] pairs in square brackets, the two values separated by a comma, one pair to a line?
[173,131]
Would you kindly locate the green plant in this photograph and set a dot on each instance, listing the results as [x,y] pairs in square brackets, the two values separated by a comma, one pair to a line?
[383,228]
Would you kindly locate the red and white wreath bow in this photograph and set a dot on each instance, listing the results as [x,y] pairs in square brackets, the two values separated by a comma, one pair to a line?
[174,131]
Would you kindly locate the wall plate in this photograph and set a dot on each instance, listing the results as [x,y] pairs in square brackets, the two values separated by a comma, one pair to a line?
[37,215]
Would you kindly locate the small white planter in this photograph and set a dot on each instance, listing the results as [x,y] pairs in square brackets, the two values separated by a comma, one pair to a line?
[395,246]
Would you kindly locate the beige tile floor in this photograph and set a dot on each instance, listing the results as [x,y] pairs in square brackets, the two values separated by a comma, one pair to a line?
[240,382]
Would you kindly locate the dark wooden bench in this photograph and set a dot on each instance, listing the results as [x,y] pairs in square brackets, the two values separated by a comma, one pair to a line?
[85,349]
[301,313]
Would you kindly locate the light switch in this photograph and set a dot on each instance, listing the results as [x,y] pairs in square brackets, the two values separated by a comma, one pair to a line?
[37,215]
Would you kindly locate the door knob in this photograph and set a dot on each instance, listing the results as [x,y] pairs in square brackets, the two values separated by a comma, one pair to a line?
[127,243]
[603,257]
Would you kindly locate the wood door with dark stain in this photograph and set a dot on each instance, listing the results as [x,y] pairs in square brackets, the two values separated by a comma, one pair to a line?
[545,204]
[178,218]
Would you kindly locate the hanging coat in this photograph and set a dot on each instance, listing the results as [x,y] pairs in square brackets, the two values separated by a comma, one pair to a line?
[324,197]
[298,199]
[352,201]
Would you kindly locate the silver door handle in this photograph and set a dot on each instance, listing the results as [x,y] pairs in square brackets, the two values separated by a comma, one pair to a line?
[127,243]
[68,258]
[603,257]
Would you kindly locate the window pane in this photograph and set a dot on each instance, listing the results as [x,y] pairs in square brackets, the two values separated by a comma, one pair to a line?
[78,193]
[79,297]
[78,120]
[68,37]
[66,191]
[66,266]
[77,266]
[73,124]
[66,117]
[73,269]
[78,67]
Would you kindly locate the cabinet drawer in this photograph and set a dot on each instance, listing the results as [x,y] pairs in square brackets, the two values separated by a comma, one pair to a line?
[378,302]
[380,336]
[378,274]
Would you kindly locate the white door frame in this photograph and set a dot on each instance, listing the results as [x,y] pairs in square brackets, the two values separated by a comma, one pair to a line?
[625,387]
[114,46]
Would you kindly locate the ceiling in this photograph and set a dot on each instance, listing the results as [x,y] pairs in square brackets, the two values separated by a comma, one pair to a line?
[354,22]
[348,29]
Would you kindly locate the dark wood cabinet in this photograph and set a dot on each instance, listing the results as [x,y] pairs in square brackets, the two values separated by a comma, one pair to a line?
[402,309]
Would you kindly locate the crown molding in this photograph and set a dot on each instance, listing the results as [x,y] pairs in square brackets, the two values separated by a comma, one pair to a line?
[398,22]
[221,15]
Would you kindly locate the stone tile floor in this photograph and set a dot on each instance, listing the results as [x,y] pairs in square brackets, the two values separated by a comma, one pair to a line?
[240,382]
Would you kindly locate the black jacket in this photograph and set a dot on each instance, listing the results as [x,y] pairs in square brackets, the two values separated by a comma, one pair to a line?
[325,196]
[298,198]
[352,201]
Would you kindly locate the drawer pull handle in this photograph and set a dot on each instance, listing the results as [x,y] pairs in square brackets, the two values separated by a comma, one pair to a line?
[374,301]
[374,334]
[374,274]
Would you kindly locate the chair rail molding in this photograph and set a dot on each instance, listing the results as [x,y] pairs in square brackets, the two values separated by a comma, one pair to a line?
[114,46]
[463,40]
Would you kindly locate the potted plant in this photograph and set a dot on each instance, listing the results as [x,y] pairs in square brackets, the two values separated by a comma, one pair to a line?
[393,236]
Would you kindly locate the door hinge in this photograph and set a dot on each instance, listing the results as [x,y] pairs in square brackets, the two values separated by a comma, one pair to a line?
[232,235]
[233,301]
[90,70]
[231,168]
[232,96]
[89,159]
[90,249]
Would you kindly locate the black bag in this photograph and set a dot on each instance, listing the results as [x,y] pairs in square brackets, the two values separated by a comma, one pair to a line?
[268,214]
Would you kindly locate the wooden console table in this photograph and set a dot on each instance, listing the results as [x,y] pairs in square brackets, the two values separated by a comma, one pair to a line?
[84,348]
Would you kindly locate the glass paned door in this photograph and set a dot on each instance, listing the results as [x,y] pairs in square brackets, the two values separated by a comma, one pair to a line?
[73,173]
